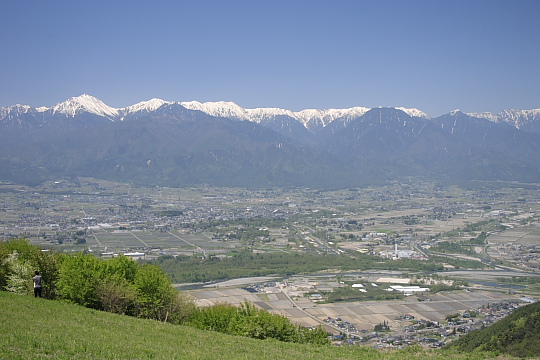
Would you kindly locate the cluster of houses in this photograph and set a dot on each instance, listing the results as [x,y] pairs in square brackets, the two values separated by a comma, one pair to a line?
[424,332]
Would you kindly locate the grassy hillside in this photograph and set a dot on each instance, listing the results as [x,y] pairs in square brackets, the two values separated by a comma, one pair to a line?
[42,329]
[517,334]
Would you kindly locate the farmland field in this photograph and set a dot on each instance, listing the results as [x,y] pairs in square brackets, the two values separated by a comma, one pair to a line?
[173,241]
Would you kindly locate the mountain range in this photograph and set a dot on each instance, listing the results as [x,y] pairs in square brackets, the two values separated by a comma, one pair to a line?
[159,142]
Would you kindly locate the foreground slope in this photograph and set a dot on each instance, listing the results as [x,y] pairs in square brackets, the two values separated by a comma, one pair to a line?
[37,328]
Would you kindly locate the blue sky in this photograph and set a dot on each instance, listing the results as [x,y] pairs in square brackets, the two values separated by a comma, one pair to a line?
[433,55]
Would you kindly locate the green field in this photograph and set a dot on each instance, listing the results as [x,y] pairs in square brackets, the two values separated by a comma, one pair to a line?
[43,329]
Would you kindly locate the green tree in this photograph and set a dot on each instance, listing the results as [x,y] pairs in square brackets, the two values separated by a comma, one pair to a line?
[27,252]
[121,267]
[48,265]
[154,293]
[79,275]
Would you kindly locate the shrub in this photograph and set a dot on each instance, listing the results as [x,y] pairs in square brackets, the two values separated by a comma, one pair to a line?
[117,296]
[249,321]
[214,318]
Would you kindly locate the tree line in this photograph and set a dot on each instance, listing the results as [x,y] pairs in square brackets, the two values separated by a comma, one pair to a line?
[244,263]
[117,285]
[123,286]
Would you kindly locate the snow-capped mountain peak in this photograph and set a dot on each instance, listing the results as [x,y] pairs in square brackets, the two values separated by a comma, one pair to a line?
[85,103]
[414,112]
[148,106]
[259,114]
[312,118]
[224,109]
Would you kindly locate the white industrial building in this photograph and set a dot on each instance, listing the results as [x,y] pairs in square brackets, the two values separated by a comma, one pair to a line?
[407,289]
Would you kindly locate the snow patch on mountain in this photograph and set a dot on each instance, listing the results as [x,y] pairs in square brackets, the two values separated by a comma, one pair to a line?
[516,118]
[519,118]
[14,110]
[485,115]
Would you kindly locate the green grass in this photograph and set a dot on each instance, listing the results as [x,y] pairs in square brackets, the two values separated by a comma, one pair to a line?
[42,329]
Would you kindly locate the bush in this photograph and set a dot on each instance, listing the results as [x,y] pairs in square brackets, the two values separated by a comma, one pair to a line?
[249,321]
[214,318]
[180,308]
[260,324]
[117,296]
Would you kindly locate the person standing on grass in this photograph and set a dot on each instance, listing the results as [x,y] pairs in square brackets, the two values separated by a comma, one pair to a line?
[37,284]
